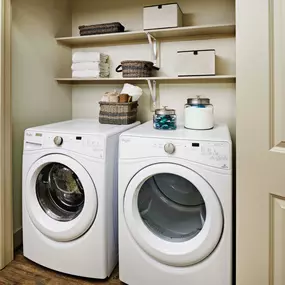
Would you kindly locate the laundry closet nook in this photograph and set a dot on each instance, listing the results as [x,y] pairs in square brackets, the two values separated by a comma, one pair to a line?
[45,34]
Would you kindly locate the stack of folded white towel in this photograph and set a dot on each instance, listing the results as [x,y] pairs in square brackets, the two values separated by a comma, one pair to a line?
[90,64]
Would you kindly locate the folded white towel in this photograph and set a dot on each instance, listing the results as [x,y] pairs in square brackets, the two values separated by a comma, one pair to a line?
[88,56]
[99,66]
[89,74]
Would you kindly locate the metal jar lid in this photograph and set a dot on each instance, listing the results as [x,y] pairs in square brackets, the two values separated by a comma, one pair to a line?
[165,111]
[198,101]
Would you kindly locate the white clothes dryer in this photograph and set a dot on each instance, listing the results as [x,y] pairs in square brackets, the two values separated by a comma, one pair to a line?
[70,196]
[175,206]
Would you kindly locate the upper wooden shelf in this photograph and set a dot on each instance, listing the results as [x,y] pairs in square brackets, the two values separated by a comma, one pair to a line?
[163,34]
[194,79]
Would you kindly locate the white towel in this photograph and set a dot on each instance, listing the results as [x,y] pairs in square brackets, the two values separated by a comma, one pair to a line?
[132,90]
[89,56]
[89,74]
[99,66]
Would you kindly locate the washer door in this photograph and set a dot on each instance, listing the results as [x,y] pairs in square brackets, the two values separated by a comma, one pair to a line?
[173,214]
[60,197]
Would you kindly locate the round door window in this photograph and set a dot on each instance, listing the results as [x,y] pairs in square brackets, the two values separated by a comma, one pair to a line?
[60,197]
[171,207]
[173,214]
[59,192]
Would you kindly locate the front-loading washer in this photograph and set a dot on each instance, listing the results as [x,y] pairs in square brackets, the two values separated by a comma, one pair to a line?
[175,206]
[70,196]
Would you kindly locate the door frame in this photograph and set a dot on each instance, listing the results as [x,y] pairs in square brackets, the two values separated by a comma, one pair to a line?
[6,209]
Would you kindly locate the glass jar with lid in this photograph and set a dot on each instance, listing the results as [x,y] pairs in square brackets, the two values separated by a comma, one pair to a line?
[164,119]
[199,114]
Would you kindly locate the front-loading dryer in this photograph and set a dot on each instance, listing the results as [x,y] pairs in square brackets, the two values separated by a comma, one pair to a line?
[175,206]
[70,196]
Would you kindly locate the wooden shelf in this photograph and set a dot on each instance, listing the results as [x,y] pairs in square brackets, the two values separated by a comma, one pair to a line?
[163,34]
[193,79]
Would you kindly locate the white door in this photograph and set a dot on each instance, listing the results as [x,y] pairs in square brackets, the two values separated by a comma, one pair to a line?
[173,214]
[60,197]
[260,142]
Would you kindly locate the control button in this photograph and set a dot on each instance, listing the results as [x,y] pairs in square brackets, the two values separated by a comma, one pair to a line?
[58,141]
[169,148]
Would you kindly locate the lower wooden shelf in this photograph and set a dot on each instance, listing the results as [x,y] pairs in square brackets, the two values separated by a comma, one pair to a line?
[188,79]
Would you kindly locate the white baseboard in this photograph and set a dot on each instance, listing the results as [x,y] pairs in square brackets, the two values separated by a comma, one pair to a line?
[18,238]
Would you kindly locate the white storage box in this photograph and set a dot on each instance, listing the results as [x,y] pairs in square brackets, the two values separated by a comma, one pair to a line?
[196,62]
[162,16]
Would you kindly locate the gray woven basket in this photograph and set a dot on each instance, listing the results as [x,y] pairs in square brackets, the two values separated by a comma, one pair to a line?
[136,68]
[118,113]
[107,28]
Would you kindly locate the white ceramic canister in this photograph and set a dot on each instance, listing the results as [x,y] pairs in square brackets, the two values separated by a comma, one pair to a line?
[199,114]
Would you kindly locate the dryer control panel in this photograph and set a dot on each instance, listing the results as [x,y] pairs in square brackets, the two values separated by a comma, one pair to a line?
[90,145]
[215,154]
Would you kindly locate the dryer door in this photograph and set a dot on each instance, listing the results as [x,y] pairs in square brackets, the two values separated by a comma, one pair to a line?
[173,214]
[60,197]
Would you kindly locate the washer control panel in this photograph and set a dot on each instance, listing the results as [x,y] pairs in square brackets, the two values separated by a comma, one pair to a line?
[216,154]
[92,146]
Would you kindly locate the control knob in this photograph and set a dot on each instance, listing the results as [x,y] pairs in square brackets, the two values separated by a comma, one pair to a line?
[169,148]
[58,141]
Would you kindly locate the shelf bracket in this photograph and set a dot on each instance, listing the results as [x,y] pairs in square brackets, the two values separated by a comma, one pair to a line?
[152,89]
[155,46]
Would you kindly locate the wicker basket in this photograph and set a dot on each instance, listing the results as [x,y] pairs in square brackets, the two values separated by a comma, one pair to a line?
[118,113]
[136,68]
[107,28]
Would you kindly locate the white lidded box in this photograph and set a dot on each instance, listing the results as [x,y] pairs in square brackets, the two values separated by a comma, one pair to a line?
[162,16]
[196,62]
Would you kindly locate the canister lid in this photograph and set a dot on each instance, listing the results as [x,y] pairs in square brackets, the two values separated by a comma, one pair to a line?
[165,111]
[198,100]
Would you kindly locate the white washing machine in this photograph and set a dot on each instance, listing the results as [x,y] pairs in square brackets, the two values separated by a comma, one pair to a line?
[70,196]
[175,206]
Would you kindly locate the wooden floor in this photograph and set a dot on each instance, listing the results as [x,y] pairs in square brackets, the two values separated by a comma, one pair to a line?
[23,271]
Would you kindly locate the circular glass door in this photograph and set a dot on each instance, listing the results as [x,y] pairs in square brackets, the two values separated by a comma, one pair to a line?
[60,197]
[173,214]
[60,192]
[171,207]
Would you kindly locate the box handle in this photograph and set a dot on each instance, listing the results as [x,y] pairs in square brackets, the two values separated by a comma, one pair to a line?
[195,52]
[159,6]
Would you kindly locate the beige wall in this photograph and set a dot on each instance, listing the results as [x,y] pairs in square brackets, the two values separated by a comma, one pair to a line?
[36,98]
[129,13]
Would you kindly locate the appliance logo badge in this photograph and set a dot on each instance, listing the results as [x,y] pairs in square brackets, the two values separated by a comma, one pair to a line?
[29,134]
[126,140]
